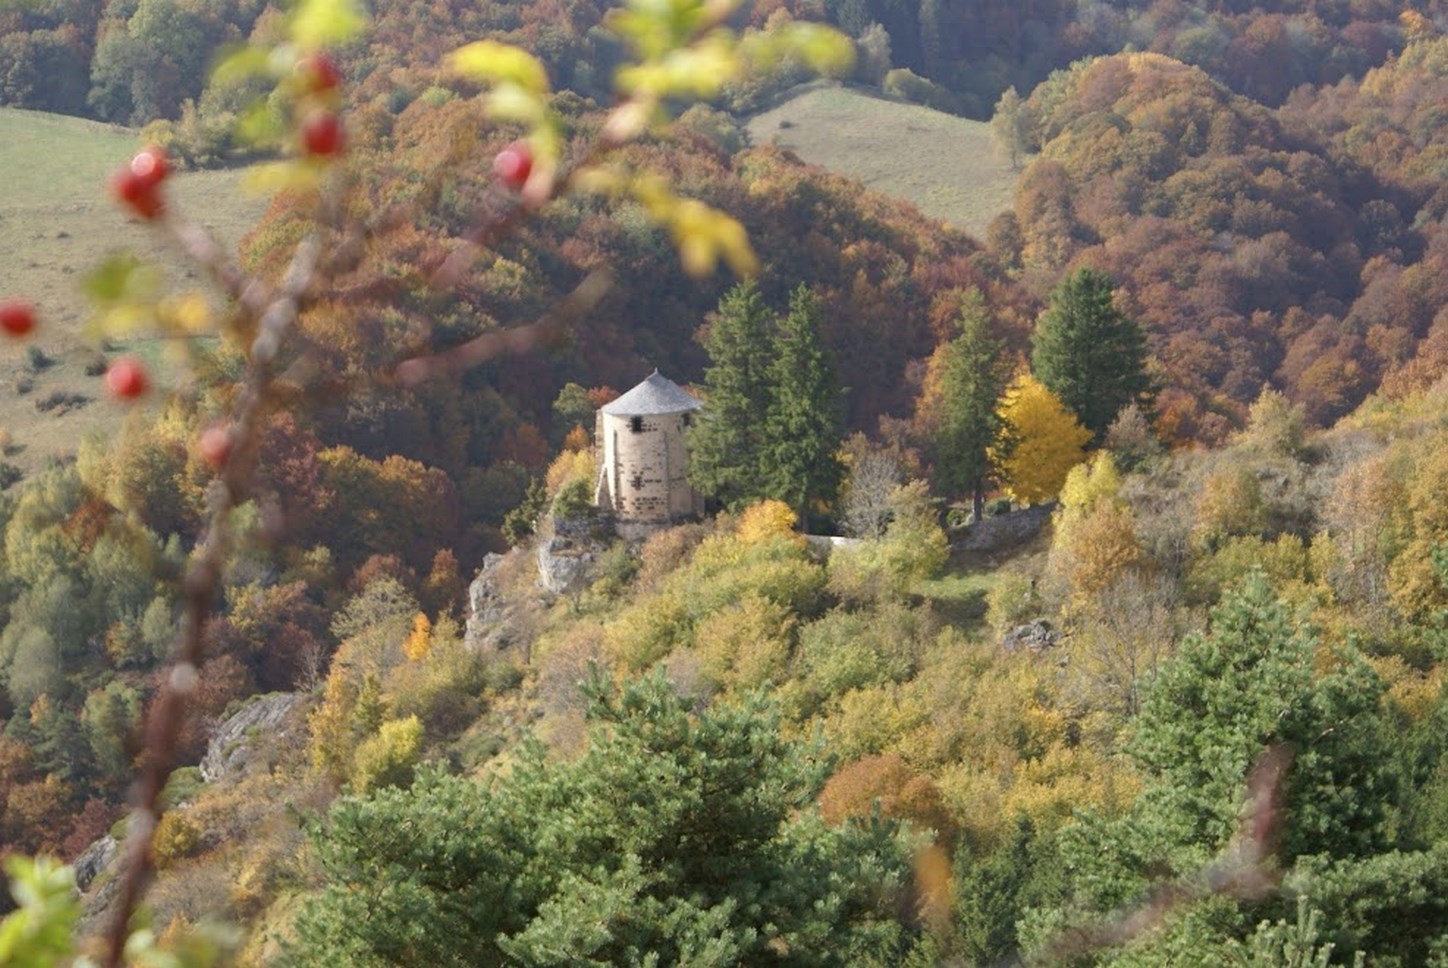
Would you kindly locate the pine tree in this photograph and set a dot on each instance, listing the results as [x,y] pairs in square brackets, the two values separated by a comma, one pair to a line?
[803,427]
[726,440]
[676,838]
[970,377]
[1089,353]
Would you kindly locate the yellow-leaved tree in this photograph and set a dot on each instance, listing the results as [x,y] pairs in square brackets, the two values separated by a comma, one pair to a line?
[1095,540]
[766,519]
[1044,441]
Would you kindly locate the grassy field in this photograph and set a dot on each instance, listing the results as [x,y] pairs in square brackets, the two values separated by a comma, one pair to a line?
[56,222]
[944,165]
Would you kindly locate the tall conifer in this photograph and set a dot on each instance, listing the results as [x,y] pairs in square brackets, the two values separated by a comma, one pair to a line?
[803,429]
[1089,353]
[726,441]
[972,376]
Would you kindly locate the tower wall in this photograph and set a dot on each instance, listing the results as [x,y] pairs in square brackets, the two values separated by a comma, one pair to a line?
[644,470]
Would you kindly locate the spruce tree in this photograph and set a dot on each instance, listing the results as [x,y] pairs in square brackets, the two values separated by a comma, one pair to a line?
[973,375]
[803,428]
[727,438]
[1089,353]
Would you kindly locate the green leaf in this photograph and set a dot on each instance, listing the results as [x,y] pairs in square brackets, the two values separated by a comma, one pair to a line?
[490,62]
[512,102]
[260,124]
[240,64]
[823,50]
[121,275]
[326,23]
[700,71]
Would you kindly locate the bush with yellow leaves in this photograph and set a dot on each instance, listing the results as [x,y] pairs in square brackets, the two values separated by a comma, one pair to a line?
[766,519]
[388,758]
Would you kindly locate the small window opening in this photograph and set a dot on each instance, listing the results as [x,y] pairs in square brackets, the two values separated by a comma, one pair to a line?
[688,420]
[636,424]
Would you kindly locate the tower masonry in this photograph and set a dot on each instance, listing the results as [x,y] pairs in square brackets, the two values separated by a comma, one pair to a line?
[643,465]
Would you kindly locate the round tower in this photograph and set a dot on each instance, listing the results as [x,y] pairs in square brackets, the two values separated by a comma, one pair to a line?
[643,467]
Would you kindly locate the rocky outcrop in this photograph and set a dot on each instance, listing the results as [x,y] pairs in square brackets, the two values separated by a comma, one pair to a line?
[485,604]
[562,565]
[93,860]
[1006,530]
[238,739]
[1035,636]
[566,557]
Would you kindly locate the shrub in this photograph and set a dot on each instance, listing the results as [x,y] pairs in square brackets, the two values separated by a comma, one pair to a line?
[37,359]
[852,650]
[1011,601]
[746,645]
[765,520]
[914,548]
[388,758]
[997,506]
[575,500]
[886,782]
[909,86]
[177,837]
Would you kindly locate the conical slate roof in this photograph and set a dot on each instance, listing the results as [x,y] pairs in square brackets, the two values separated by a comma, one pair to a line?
[657,394]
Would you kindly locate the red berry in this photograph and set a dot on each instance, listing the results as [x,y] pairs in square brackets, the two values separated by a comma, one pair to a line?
[126,378]
[319,72]
[140,193]
[322,135]
[215,445]
[513,164]
[151,165]
[17,317]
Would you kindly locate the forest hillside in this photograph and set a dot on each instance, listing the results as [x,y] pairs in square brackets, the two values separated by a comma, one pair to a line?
[1075,592]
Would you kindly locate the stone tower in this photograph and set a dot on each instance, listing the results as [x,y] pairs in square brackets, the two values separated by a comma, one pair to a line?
[643,466]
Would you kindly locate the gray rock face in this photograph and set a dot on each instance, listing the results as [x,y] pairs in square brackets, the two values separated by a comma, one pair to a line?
[492,618]
[94,859]
[233,742]
[1007,530]
[1035,636]
[485,603]
[562,564]
[566,557]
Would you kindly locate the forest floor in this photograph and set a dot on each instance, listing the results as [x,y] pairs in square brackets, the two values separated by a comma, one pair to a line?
[57,222]
[944,165]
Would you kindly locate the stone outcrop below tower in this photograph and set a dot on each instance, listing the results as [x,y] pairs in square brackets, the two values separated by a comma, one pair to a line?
[643,465]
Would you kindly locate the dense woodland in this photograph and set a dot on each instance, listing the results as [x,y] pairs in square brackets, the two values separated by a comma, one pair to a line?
[1212,328]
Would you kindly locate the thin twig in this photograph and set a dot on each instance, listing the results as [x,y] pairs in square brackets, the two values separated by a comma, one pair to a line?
[202,584]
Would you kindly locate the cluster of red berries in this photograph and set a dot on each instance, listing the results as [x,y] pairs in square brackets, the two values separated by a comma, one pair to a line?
[320,131]
[138,184]
[125,378]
